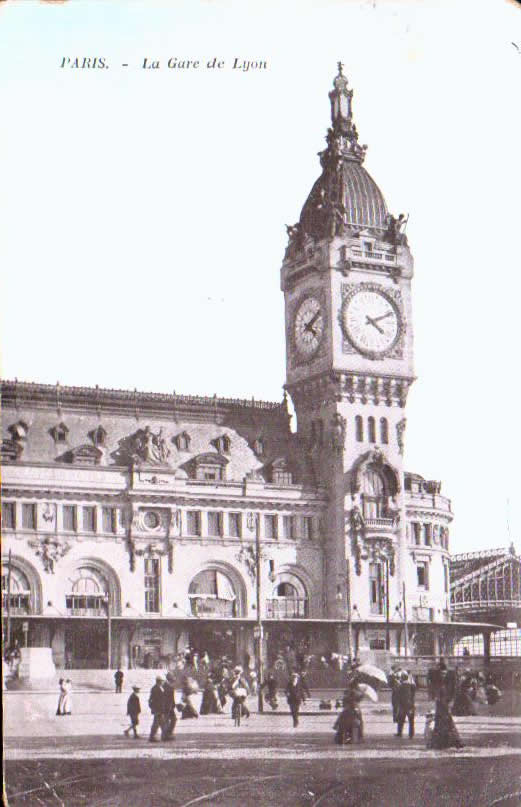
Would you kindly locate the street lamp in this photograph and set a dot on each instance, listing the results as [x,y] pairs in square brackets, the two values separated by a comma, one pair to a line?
[403,613]
[340,598]
[253,522]
[106,600]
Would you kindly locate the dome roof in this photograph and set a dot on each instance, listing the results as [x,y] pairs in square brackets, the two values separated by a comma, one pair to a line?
[357,195]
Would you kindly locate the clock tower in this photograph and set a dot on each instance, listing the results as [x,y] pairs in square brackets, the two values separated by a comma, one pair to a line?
[346,279]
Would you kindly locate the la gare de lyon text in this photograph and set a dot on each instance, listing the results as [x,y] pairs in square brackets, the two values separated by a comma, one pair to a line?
[174,63]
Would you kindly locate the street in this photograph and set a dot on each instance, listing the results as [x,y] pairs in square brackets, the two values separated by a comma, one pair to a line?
[84,759]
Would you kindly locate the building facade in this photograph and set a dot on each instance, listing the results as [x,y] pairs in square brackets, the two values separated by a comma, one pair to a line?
[134,524]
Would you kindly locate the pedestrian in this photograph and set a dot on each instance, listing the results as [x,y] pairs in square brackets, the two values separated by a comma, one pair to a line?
[306,693]
[238,681]
[463,705]
[118,680]
[270,685]
[405,704]
[169,711]
[294,697]
[444,733]
[67,697]
[156,703]
[394,682]
[133,711]
[190,690]
[59,708]
[349,724]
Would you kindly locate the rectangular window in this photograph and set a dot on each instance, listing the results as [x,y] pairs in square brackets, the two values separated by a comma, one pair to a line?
[271,528]
[423,575]
[417,533]
[69,517]
[235,525]
[215,524]
[193,522]
[446,578]
[289,527]
[152,585]
[428,534]
[89,519]
[376,597]
[307,527]
[29,516]
[110,519]
[9,515]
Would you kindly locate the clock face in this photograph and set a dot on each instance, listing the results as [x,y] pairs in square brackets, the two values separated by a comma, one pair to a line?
[309,327]
[371,322]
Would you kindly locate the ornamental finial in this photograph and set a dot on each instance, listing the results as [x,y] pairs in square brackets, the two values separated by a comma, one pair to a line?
[340,68]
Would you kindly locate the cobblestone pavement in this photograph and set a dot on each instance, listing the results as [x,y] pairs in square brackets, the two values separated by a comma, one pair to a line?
[85,759]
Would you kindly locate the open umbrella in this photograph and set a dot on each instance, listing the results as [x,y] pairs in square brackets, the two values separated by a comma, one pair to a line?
[369,692]
[371,675]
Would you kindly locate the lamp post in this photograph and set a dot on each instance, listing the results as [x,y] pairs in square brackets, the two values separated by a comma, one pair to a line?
[403,605]
[109,631]
[253,522]
[348,609]
[387,618]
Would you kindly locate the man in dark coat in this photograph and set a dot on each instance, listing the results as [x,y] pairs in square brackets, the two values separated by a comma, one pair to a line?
[405,695]
[169,715]
[294,696]
[156,703]
[118,680]
[133,711]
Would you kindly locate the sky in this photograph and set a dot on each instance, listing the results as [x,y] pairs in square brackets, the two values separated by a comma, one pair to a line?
[143,211]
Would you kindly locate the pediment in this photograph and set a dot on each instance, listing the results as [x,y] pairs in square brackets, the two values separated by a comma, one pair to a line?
[85,454]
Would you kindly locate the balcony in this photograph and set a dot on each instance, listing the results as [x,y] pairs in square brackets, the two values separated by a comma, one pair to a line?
[379,524]
[373,256]
[289,608]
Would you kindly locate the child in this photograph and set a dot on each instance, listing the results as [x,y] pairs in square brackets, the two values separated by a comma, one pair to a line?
[133,711]
[429,728]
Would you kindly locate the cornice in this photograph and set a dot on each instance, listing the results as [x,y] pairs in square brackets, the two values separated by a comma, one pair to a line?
[28,395]
[354,387]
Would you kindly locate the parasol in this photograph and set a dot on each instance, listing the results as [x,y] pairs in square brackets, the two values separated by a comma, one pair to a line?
[369,692]
[371,675]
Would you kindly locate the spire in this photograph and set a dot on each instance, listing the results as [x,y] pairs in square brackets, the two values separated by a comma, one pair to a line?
[342,137]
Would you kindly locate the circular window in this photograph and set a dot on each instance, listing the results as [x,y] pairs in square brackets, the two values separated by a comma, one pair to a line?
[151,520]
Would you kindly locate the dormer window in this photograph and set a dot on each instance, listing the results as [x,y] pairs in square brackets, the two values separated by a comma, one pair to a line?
[59,433]
[18,430]
[98,436]
[83,455]
[279,472]
[223,444]
[182,441]
[208,468]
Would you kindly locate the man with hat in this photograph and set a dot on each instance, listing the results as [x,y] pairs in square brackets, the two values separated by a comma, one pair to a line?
[156,703]
[133,711]
[239,682]
[294,696]
[169,717]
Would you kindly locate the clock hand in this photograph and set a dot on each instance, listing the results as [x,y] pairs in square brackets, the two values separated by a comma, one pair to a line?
[384,316]
[309,325]
[373,323]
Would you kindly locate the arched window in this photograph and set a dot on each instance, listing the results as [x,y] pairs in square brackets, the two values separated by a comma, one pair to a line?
[88,593]
[359,428]
[16,591]
[371,430]
[289,600]
[374,494]
[384,431]
[212,593]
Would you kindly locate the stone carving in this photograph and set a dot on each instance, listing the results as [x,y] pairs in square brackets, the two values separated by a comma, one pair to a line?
[356,527]
[11,450]
[400,434]
[246,555]
[338,433]
[144,447]
[396,229]
[50,550]
[379,549]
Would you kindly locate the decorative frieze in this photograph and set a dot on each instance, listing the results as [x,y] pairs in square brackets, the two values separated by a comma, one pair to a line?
[50,550]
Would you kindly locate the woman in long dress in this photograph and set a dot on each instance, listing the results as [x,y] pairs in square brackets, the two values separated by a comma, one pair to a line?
[67,697]
[59,708]
[445,734]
